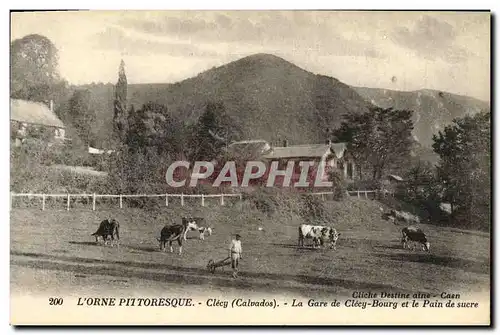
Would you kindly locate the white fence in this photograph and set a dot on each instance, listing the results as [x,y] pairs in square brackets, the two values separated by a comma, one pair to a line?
[358,193]
[123,196]
[182,197]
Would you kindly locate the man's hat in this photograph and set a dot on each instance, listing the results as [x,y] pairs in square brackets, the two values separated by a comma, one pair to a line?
[238,235]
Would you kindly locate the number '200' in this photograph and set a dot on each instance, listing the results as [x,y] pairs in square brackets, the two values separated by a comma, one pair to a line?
[56,301]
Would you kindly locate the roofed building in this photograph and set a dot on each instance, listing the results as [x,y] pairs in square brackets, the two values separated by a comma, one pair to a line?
[29,119]
[333,155]
[247,150]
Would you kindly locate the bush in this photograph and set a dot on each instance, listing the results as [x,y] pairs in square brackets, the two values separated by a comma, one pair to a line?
[264,200]
[312,208]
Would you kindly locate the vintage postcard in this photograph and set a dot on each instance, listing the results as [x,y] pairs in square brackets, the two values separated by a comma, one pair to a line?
[250,168]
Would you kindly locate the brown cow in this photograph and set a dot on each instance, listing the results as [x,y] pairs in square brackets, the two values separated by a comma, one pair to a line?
[171,233]
[108,228]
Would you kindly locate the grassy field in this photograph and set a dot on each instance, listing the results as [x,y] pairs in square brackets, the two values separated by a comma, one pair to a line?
[53,251]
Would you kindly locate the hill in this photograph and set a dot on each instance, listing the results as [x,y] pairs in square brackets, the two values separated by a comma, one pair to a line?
[433,109]
[269,97]
[273,99]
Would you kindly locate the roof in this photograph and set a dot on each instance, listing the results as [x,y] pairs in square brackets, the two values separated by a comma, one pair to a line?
[97,151]
[33,112]
[248,149]
[307,150]
[395,177]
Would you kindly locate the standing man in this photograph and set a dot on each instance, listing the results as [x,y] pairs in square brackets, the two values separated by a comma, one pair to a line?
[235,254]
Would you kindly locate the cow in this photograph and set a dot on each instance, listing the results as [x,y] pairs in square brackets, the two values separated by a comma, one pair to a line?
[414,234]
[108,227]
[318,234]
[191,223]
[171,233]
[203,230]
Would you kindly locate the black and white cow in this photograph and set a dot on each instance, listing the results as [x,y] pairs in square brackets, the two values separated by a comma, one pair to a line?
[318,234]
[108,228]
[203,230]
[171,233]
[414,234]
[191,224]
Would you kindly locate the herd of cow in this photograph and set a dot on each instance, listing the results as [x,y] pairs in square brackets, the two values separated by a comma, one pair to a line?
[318,234]
[170,233]
[409,234]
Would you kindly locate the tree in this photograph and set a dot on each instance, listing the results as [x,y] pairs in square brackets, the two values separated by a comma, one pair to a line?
[378,139]
[213,132]
[83,115]
[153,127]
[465,167]
[420,181]
[34,69]
[120,104]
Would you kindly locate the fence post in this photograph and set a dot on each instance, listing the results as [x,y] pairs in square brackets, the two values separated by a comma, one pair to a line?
[241,197]
[93,202]
[222,199]
[166,199]
[67,205]
[366,194]
[43,202]
[121,201]
[358,193]
[182,199]
[322,197]
[202,200]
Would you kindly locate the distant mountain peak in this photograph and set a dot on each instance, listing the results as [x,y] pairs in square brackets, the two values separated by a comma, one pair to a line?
[265,57]
[262,61]
[433,109]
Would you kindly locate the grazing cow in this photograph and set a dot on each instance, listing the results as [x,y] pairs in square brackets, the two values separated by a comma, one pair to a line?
[108,228]
[318,234]
[414,234]
[190,224]
[171,233]
[203,230]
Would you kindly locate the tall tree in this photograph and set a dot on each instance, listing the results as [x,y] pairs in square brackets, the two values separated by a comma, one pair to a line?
[214,131]
[83,115]
[120,119]
[34,69]
[465,167]
[378,139]
[152,127]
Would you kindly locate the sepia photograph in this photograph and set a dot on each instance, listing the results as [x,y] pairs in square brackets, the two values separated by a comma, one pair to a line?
[250,167]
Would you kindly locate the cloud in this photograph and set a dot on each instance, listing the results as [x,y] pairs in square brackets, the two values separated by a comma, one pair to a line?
[296,30]
[117,40]
[431,39]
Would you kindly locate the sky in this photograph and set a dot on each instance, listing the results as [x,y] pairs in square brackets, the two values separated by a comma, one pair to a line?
[447,51]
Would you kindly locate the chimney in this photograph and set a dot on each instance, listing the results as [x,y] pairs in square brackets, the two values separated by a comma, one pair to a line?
[285,143]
